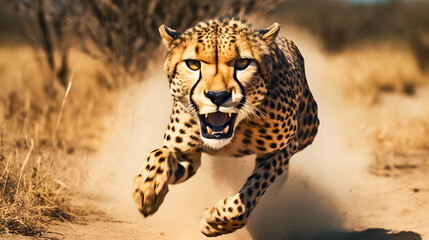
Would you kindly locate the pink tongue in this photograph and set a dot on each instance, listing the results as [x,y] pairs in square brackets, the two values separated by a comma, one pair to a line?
[217,118]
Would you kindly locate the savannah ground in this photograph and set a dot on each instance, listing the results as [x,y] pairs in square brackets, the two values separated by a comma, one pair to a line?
[367,168]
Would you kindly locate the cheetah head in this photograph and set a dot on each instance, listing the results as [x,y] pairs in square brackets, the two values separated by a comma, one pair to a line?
[218,70]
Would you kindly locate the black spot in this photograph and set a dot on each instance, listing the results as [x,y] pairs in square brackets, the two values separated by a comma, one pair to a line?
[280,171]
[179,139]
[280,137]
[249,192]
[300,134]
[230,209]
[256,185]
[158,153]
[266,175]
[236,201]
[302,106]
[180,171]
[272,179]
[267,166]
[246,141]
[268,137]
[273,145]
[240,208]
[260,142]
[264,185]
[161,159]
[305,134]
[262,130]
[261,149]
[168,138]
[182,131]
[191,172]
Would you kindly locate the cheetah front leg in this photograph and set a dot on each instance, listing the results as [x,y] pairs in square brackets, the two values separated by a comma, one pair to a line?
[231,213]
[162,167]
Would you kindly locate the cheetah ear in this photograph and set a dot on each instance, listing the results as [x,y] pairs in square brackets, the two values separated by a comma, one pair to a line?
[168,34]
[270,33]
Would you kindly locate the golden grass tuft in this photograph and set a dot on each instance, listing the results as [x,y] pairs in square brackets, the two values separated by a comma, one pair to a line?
[46,133]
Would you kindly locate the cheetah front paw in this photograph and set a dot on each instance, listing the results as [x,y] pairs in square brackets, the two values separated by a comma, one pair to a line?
[224,217]
[150,187]
[149,192]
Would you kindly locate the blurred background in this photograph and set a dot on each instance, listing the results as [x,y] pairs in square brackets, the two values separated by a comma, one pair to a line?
[78,83]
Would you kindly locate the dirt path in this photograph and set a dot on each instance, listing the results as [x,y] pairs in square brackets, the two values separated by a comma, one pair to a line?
[329,193]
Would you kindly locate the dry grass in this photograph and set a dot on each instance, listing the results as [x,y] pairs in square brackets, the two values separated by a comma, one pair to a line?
[386,92]
[45,137]
[363,73]
[399,142]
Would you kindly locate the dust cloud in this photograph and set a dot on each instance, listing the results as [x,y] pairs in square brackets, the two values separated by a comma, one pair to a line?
[315,198]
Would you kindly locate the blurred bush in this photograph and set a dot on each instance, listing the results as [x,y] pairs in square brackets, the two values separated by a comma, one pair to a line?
[123,34]
[45,25]
[341,24]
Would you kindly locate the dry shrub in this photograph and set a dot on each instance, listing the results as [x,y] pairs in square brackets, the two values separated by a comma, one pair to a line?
[124,33]
[43,142]
[45,25]
[418,32]
[340,25]
[365,72]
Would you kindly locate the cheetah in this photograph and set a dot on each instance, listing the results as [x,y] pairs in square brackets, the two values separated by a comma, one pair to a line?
[236,91]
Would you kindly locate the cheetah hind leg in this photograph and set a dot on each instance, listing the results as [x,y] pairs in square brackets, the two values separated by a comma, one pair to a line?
[231,213]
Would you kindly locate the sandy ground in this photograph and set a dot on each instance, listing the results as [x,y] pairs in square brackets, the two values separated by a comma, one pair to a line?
[329,194]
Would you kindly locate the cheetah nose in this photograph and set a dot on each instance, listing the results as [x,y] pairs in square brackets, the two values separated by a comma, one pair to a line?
[218,98]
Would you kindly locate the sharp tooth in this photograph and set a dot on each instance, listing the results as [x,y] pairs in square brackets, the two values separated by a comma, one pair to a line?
[209,130]
[229,114]
[225,130]
[207,116]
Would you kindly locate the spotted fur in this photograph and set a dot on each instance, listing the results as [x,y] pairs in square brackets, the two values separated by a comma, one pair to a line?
[276,114]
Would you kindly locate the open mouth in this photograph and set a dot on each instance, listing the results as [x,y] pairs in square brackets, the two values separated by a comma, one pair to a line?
[217,125]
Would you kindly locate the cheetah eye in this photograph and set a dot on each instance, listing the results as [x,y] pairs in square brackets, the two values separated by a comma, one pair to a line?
[193,64]
[241,64]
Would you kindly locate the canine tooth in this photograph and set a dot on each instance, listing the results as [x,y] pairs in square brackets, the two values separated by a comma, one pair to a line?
[225,130]
[209,130]
[229,114]
[207,116]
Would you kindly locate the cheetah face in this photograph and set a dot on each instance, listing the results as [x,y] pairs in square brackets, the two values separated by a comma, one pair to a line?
[219,71]
[217,99]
